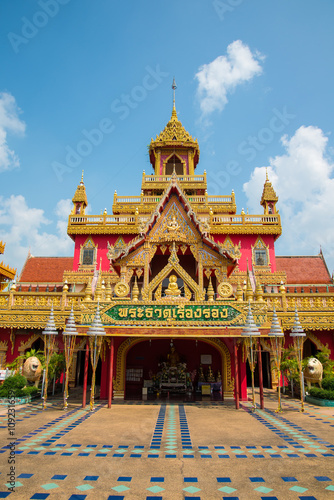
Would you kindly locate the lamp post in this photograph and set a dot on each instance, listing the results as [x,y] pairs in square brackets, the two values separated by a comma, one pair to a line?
[251,330]
[49,333]
[69,336]
[298,334]
[96,333]
[276,339]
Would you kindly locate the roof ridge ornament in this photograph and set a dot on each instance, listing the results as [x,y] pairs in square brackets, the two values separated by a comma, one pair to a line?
[174,87]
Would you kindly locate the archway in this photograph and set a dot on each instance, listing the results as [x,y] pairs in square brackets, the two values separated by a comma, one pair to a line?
[146,357]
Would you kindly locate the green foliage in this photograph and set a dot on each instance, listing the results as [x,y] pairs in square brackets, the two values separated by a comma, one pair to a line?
[30,391]
[13,386]
[316,392]
[327,363]
[289,364]
[328,383]
[56,365]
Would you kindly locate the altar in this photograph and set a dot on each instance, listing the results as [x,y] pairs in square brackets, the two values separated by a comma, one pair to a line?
[174,378]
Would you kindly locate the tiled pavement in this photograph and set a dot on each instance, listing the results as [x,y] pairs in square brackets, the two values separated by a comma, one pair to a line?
[170,451]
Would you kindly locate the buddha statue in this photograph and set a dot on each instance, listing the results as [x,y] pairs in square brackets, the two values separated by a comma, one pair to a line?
[173,357]
[210,376]
[172,290]
[201,377]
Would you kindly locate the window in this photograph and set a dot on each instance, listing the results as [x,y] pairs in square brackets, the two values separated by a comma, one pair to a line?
[88,253]
[174,163]
[260,257]
[88,256]
[260,253]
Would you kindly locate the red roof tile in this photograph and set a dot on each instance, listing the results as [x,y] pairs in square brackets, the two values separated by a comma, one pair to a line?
[304,269]
[45,269]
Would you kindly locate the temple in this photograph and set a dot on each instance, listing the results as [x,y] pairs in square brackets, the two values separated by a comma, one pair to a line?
[173,271]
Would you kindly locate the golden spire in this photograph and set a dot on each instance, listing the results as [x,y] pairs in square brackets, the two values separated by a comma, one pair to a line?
[268,193]
[174,87]
[80,194]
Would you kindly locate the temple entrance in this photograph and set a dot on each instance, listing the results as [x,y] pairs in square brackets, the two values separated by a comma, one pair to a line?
[173,369]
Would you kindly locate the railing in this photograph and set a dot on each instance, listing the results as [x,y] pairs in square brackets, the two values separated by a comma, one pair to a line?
[168,178]
[107,220]
[92,220]
[137,200]
[40,300]
[246,219]
[34,301]
[220,199]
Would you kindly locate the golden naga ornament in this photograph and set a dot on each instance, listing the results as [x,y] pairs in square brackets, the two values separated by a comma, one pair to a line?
[225,289]
[122,289]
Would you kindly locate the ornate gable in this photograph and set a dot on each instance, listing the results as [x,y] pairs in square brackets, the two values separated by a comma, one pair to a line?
[174,225]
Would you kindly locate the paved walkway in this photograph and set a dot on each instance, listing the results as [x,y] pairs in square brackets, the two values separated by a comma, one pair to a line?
[157,451]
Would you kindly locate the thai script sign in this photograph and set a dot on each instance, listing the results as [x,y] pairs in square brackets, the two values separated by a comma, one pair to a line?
[160,313]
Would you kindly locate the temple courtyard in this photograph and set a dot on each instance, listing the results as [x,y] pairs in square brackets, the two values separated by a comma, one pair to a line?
[169,450]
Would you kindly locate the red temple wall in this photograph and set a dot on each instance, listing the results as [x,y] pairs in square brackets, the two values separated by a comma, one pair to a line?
[101,241]
[247,240]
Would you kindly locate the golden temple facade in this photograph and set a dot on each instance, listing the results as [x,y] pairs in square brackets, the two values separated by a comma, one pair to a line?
[174,263]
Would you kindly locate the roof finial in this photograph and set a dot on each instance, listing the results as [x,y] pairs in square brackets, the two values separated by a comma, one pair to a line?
[82,177]
[267,178]
[174,87]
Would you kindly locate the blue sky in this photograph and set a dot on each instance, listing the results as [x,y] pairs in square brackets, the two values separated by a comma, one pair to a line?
[255,86]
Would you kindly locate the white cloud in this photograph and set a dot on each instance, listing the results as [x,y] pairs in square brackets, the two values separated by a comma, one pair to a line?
[221,76]
[9,122]
[302,178]
[22,227]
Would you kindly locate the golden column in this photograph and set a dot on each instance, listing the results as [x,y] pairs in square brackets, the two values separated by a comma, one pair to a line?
[69,336]
[298,335]
[50,333]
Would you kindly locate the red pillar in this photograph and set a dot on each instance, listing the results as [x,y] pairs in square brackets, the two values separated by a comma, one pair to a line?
[111,372]
[85,375]
[236,373]
[259,365]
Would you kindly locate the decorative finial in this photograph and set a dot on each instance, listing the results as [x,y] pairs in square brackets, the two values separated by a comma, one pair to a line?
[174,87]
[82,177]
[267,178]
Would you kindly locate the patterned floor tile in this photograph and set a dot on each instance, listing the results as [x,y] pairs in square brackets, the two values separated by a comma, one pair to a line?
[227,489]
[191,489]
[155,489]
[120,489]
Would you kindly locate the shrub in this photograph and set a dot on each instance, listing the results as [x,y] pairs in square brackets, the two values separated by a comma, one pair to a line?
[327,363]
[328,383]
[316,392]
[30,391]
[13,385]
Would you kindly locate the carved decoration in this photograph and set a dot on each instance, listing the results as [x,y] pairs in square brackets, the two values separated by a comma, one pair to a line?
[122,289]
[173,265]
[139,272]
[207,273]
[228,246]
[175,225]
[225,289]
[158,292]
